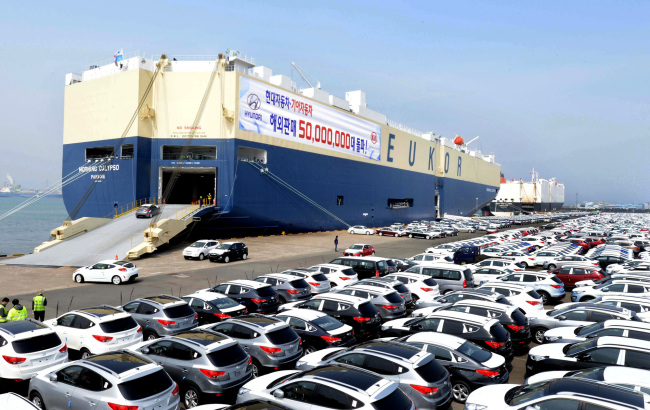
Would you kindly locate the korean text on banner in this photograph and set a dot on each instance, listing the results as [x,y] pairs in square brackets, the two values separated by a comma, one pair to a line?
[271,111]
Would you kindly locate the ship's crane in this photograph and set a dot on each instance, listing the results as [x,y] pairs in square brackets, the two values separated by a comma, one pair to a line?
[304,77]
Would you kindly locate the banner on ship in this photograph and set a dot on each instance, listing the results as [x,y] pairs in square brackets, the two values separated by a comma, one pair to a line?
[272,111]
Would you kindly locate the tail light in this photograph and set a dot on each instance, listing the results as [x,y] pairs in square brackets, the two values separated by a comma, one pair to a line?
[114,406]
[516,328]
[495,345]
[166,322]
[221,315]
[196,316]
[271,350]
[122,269]
[175,391]
[103,339]
[429,391]
[250,360]
[314,283]
[258,301]
[361,319]
[389,307]
[63,349]
[212,374]
[533,302]
[556,286]
[488,373]
[427,289]
[464,284]
[331,339]
[344,278]
[14,360]
[139,329]
[292,291]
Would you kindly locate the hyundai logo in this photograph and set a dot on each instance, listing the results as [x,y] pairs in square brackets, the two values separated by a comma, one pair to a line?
[254,102]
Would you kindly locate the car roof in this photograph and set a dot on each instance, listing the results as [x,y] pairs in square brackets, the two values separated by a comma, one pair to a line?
[304,314]
[245,282]
[206,295]
[332,266]
[477,292]
[205,338]
[360,244]
[598,306]
[383,281]
[118,361]
[507,285]
[597,389]
[284,276]
[101,311]
[22,326]
[462,316]
[341,298]
[107,261]
[627,324]
[410,275]
[623,341]
[485,304]
[625,298]
[353,376]
[451,341]
[391,348]
[262,321]
[163,299]
[372,289]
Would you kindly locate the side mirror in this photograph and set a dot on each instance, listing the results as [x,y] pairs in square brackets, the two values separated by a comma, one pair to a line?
[584,356]
[417,327]
[278,394]
[52,377]
[561,317]
[605,289]
[442,300]
[145,350]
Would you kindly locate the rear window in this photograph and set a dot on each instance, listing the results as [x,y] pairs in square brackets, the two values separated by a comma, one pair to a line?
[519,318]
[432,371]
[37,343]
[401,288]
[393,298]
[397,400]
[348,272]
[118,325]
[429,282]
[266,291]
[282,336]
[368,310]
[533,294]
[475,352]
[228,356]
[299,283]
[320,277]
[147,386]
[179,311]
[498,332]
[556,279]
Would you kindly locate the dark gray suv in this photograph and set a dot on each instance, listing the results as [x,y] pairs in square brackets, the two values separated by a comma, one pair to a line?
[289,287]
[162,315]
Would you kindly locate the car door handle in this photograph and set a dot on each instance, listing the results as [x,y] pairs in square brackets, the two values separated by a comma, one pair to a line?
[68,394]
[184,370]
[92,404]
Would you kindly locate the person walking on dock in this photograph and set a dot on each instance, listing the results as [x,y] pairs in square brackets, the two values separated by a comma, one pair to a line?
[336,244]
[17,312]
[3,310]
[38,306]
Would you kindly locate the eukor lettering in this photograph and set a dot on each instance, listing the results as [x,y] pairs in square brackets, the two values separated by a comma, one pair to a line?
[412,146]
[431,151]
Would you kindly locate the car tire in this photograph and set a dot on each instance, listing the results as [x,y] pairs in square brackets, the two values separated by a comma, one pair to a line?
[37,400]
[551,267]
[85,353]
[244,256]
[367,232]
[309,350]
[79,278]
[410,235]
[545,297]
[115,280]
[380,234]
[201,256]
[373,253]
[538,334]
[226,259]
[524,265]
[150,336]
[191,396]
[460,391]
[258,370]
[428,236]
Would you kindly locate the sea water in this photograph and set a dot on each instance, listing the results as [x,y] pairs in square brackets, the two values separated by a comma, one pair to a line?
[27,228]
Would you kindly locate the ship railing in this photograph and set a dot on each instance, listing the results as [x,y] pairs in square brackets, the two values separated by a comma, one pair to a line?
[190,209]
[126,56]
[404,128]
[132,206]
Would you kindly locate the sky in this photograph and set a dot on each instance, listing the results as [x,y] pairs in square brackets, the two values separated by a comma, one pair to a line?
[558,86]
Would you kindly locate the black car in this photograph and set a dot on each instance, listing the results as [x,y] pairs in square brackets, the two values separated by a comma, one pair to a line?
[470,365]
[486,332]
[604,261]
[318,330]
[466,294]
[403,264]
[257,297]
[213,307]
[229,251]
[419,233]
[364,266]
[359,313]
[256,405]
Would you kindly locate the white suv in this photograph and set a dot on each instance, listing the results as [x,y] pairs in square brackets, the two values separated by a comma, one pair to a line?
[200,249]
[27,347]
[422,287]
[97,330]
[338,275]
[524,297]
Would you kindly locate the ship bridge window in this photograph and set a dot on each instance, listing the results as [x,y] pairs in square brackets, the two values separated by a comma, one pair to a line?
[400,203]
[127,151]
[191,153]
[252,155]
[99,153]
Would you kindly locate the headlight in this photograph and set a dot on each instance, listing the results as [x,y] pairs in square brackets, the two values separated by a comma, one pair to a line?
[474,406]
[551,338]
[536,358]
[243,390]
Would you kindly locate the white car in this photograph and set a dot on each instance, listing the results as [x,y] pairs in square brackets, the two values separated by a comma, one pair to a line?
[422,287]
[15,402]
[522,258]
[200,249]
[427,258]
[110,271]
[446,249]
[317,280]
[338,275]
[97,330]
[524,297]
[361,230]
[627,377]
[29,347]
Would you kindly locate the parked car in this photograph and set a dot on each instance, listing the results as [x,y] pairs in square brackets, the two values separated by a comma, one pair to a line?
[390,231]
[615,287]
[392,284]
[449,277]
[611,327]
[387,301]
[626,377]
[568,260]
[147,211]
[162,315]
[547,285]
[258,297]
[364,266]
[337,274]
[570,275]
[359,249]
[214,307]
[288,287]
[424,308]
[114,272]
[524,297]
[361,230]
[229,251]
[316,279]
[421,287]
[318,330]
[200,249]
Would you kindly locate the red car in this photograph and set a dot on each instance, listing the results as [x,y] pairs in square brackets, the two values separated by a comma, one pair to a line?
[584,245]
[569,275]
[359,249]
[389,231]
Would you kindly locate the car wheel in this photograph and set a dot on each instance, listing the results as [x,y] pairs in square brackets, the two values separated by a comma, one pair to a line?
[410,235]
[367,232]
[79,279]
[460,390]
[244,256]
[428,236]
[191,397]
[37,400]
[380,234]
[309,350]
[545,297]
[282,300]
[586,299]
[373,253]
[150,336]
[85,353]
[201,256]
[226,259]
[116,280]
[524,265]
[538,335]
[257,369]
[551,267]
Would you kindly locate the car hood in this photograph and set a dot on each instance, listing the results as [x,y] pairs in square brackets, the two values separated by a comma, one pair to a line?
[490,394]
[543,376]
[551,350]
[217,251]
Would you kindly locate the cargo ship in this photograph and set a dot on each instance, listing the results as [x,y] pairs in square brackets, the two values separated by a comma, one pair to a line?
[524,197]
[264,153]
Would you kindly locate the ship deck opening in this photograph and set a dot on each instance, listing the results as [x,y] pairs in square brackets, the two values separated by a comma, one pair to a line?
[189,183]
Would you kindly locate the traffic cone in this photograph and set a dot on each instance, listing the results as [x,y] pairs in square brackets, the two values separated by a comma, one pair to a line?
[115,257]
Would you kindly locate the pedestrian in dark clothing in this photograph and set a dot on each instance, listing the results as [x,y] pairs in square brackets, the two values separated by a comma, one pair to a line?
[336,244]
[38,306]
[4,310]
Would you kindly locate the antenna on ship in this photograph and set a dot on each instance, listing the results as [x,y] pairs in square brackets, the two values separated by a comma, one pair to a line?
[304,77]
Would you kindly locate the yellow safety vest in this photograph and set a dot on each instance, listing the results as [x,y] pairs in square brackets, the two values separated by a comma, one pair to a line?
[15,315]
[3,319]
[38,303]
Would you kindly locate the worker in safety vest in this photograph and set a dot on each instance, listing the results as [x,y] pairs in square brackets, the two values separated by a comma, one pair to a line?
[3,310]
[38,306]
[18,312]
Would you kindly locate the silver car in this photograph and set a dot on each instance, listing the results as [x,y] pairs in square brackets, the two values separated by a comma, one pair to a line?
[547,285]
[569,260]
[204,363]
[110,381]
[613,327]
[615,287]
[162,315]
[316,279]
[289,287]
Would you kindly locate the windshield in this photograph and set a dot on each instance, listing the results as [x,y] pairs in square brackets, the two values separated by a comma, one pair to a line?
[356,247]
[524,393]
[585,330]
[394,298]
[575,348]
[197,245]
[475,352]
[429,282]
[367,309]
[282,336]
[401,288]
[147,386]
[319,277]
[299,283]
[348,272]
[397,400]
[327,323]
[499,333]
[224,246]
[432,371]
